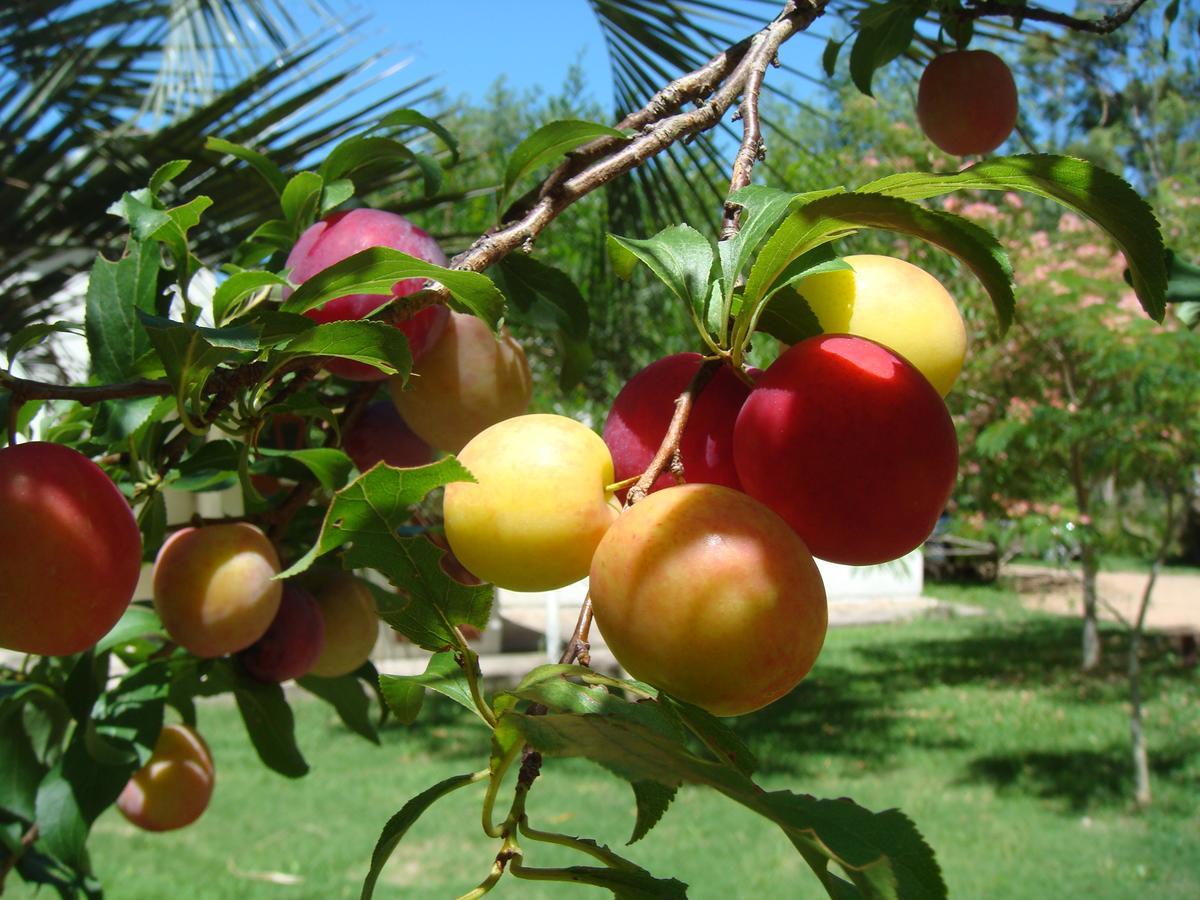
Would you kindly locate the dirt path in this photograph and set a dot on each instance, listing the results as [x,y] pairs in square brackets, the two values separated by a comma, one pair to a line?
[1175,603]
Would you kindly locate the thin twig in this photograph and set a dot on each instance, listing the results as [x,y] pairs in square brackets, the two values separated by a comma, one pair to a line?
[28,839]
[1106,24]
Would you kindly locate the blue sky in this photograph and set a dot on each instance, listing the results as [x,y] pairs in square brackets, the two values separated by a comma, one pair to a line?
[466,44]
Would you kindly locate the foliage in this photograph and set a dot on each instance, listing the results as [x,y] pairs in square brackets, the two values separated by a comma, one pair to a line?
[183,386]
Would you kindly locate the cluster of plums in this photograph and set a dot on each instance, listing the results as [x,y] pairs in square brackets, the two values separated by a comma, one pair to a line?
[841,449]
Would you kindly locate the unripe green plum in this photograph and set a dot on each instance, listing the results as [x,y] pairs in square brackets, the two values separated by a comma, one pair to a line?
[213,587]
[967,101]
[467,381]
[70,550]
[704,592]
[539,505]
[851,446]
[351,623]
[175,785]
[895,304]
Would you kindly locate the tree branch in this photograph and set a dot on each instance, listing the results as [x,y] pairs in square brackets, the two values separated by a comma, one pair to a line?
[562,189]
[1106,24]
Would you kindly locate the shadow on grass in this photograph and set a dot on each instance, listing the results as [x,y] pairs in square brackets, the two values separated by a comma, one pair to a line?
[1081,778]
[868,703]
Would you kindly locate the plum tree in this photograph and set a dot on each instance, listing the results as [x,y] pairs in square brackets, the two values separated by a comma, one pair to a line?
[967,101]
[351,623]
[851,445]
[214,587]
[539,504]
[343,234]
[70,550]
[175,785]
[380,434]
[641,414]
[292,643]
[704,592]
[467,381]
[897,304]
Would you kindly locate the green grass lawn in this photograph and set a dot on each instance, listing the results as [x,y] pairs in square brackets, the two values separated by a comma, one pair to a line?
[1012,764]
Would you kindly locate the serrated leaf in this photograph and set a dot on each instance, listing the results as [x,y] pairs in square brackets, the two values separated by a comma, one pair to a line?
[398,825]
[880,41]
[403,697]
[115,293]
[652,800]
[820,221]
[356,152]
[882,853]
[346,696]
[187,356]
[443,674]
[377,269]
[428,603]
[722,741]
[300,198]
[237,287]
[1077,184]
[270,172]
[549,143]
[625,884]
[682,259]
[375,343]
[373,500]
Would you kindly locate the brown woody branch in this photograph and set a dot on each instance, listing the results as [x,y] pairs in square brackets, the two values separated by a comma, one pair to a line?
[1106,24]
[657,134]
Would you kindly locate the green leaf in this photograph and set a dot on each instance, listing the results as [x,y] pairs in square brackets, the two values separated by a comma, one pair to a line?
[188,359]
[116,291]
[829,56]
[549,143]
[652,800]
[369,341]
[682,258]
[837,215]
[335,194]
[136,622]
[300,199]
[880,41]
[623,261]
[410,118]
[377,269]
[33,333]
[1075,183]
[883,854]
[443,674]
[375,499]
[625,883]
[265,712]
[345,695]
[237,287]
[398,825]
[62,828]
[270,172]
[403,697]
[358,152]
[168,171]
[763,208]
[535,287]
[330,466]
[721,740]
